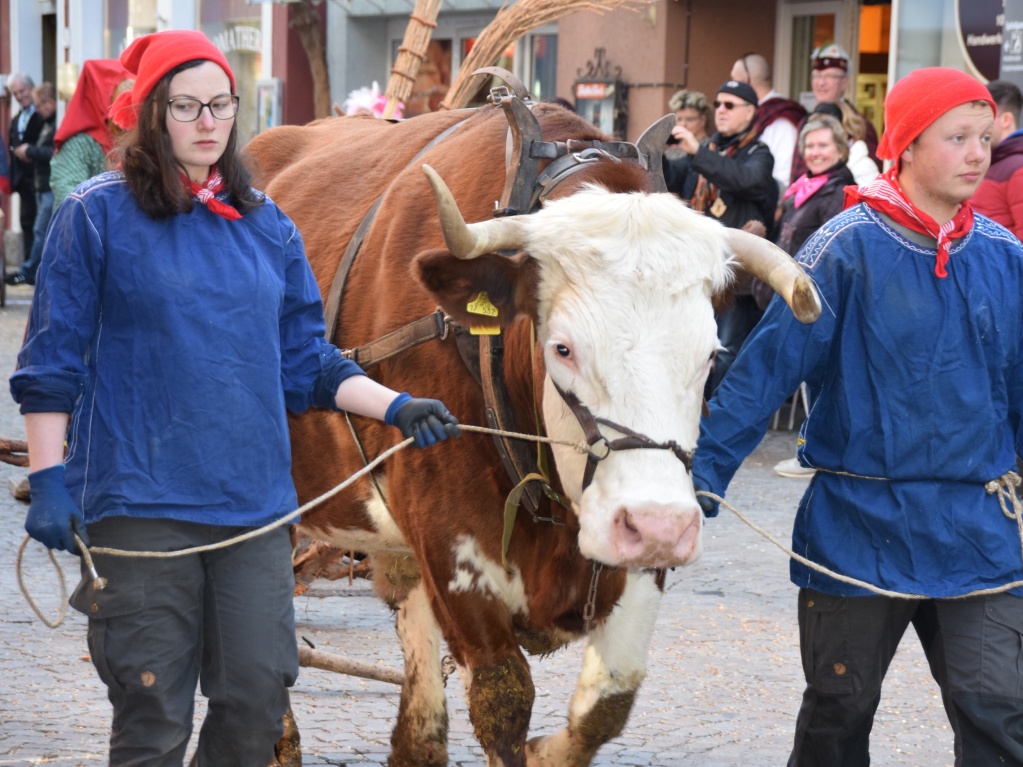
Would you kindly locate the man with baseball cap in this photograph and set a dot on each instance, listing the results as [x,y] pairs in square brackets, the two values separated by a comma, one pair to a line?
[915,370]
[728,178]
[829,80]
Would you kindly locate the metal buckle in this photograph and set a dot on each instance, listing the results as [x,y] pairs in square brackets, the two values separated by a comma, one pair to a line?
[497,93]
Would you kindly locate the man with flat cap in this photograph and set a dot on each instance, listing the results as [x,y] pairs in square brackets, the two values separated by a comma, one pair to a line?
[729,178]
[915,372]
[830,81]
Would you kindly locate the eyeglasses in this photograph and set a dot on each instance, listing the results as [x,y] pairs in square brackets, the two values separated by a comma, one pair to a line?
[730,105]
[186,110]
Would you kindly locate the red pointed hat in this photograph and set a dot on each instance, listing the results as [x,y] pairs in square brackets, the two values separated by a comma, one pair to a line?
[920,98]
[150,57]
[87,110]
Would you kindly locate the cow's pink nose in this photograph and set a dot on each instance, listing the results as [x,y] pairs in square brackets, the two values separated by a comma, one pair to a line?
[657,535]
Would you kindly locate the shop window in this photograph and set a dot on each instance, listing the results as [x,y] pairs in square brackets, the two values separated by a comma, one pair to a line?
[432,81]
[809,32]
[928,35]
[505,61]
[235,27]
[126,20]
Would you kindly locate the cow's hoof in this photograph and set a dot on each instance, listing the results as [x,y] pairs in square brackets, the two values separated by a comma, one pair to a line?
[550,751]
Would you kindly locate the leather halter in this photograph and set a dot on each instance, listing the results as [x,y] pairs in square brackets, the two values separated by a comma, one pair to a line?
[525,188]
[631,441]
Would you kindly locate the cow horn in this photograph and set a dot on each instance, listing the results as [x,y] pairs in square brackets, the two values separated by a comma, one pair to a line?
[774,266]
[471,240]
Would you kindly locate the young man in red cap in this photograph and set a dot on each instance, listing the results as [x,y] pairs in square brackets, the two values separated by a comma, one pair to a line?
[915,370]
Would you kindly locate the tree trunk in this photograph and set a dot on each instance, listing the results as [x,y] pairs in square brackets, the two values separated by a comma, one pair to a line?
[306,20]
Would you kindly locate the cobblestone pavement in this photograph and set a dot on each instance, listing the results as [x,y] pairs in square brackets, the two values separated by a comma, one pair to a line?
[723,687]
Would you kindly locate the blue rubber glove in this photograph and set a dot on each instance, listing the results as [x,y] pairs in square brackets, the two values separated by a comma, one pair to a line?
[426,420]
[710,507]
[52,515]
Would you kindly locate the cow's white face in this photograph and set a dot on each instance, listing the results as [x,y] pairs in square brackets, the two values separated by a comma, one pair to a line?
[627,325]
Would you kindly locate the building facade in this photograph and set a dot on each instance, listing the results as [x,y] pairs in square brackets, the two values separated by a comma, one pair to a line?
[644,55]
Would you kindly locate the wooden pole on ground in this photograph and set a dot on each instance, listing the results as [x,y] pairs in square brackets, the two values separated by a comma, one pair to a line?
[310,658]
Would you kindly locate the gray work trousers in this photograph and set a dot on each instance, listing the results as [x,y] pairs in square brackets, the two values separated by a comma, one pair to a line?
[975,651]
[223,618]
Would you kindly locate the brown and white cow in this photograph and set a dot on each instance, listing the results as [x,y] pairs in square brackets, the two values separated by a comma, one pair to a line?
[617,282]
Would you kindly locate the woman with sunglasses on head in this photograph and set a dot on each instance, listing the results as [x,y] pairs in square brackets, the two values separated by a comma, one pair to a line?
[729,179]
[176,321]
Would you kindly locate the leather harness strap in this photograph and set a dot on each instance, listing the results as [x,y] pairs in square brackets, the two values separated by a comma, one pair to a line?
[422,330]
[332,306]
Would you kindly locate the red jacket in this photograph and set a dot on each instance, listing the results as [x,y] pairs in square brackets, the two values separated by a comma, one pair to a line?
[1000,194]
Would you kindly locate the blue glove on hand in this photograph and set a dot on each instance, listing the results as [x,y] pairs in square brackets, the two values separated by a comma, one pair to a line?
[710,507]
[52,515]
[426,420]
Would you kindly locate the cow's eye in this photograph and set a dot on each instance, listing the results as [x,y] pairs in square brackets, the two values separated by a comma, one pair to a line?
[563,351]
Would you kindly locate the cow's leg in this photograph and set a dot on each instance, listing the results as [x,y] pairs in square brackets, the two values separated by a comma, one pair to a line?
[420,736]
[613,668]
[499,696]
[474,611]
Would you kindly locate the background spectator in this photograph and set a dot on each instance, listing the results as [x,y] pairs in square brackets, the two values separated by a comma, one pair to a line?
[864,169]
[778,118]
[38,154]
[1000,194]
[25,127]
[692,112]
[729,179]
[830,81]
[86,136]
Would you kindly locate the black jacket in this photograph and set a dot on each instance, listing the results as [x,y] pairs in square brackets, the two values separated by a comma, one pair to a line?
[745,182]
[797,224]
[20,172]
[41,152]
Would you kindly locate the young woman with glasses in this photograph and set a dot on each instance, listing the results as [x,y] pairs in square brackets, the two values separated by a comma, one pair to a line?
[176,321]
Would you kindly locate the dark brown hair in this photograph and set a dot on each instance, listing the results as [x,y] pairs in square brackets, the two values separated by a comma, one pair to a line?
[146,157]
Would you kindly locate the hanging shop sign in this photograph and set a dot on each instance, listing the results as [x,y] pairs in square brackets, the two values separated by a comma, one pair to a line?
[980,24]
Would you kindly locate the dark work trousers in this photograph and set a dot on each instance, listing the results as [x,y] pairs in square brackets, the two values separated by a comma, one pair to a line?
[223,618]
[973,647]
[26,190]
[734,326]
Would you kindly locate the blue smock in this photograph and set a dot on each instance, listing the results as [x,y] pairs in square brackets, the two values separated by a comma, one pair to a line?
[916,387]
[177,346]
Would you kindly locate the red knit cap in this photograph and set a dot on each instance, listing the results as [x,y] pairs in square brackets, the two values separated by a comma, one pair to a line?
[150,57]
[920,98]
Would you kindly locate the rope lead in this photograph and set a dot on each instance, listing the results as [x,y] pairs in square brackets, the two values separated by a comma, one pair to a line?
[1006,488]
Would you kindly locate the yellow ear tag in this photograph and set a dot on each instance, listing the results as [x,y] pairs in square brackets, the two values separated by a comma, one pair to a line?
[481,305]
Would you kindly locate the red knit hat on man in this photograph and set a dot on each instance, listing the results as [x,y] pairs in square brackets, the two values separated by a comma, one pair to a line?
[150,57]
[920,98]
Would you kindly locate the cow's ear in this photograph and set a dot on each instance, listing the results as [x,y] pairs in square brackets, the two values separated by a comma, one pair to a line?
[482,292]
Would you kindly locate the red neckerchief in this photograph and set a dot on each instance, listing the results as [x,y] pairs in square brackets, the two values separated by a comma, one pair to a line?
[805,187]
[206,194]
[884,194]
